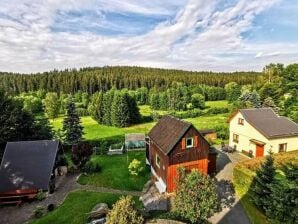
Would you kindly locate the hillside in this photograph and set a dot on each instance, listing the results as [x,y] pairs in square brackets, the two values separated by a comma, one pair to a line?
[103,78]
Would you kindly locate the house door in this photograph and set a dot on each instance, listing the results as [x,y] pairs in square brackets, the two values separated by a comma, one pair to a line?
[259,150]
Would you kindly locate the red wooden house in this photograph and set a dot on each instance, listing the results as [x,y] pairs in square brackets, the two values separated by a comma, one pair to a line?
[173,143]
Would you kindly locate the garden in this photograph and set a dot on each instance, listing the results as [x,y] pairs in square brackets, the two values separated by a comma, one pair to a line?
[115,173]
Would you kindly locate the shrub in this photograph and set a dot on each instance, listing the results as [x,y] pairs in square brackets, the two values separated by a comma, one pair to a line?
[39,212]
[62,161]
[51,207]
[82,112]
[196,197]
[124,212]
[135,167]
[218,110]
[91,167]
[40,195]
[81,154]
[222,131]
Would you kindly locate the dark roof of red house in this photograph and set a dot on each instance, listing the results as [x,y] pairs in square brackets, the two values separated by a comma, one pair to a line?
[268,123]
[167,132]
[27,165]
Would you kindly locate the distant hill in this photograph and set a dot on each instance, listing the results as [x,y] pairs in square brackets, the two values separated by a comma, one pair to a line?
[104,78]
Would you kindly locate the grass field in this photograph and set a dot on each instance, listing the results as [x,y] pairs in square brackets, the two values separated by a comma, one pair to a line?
[114,173]
[219,103]
[76,206]
[95,131]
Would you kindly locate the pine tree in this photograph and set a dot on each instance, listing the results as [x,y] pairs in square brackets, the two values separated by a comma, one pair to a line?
[263,180]
[72,127]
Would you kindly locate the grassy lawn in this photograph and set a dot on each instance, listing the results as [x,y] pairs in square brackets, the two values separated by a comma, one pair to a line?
[95,131]
[209,121]
[115,173]
[76,205]
[219,103]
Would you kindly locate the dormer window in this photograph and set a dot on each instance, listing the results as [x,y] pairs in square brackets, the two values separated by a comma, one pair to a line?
[241,121]
[189,143]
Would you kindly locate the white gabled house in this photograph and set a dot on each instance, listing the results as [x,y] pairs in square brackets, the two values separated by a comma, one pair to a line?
[256,131]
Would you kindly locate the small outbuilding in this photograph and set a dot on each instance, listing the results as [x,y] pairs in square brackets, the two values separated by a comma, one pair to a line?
[174,143]
[27,167]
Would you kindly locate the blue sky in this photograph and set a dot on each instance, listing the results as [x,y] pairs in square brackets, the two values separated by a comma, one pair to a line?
[219,35]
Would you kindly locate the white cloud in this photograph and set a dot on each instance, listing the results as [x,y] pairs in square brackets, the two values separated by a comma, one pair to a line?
[202,36]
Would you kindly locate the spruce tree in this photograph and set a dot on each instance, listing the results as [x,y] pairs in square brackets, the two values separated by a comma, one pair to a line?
[284,205]
[120,110]
[134,112]
[72,128]
[262,185]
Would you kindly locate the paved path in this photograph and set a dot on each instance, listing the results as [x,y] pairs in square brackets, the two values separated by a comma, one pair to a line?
[18,215]
[232,211]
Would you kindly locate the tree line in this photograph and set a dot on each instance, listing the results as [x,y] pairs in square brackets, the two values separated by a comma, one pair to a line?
[91,80]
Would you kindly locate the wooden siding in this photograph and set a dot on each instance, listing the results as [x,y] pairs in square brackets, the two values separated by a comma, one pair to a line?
[195,157]
[200,151]
[201,165]
[161,171]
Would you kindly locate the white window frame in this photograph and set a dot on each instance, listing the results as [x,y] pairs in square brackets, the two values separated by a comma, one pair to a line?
[157,164]
[192,142]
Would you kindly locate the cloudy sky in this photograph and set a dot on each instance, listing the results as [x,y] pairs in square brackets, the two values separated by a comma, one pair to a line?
[217,35]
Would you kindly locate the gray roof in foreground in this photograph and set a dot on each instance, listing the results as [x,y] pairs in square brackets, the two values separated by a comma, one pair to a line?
[27,165]
[268,123]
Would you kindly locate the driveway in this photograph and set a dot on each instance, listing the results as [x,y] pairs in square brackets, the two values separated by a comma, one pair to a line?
[232,211]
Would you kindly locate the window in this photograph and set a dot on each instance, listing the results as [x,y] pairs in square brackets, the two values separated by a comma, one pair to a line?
[282,147]
[235,138]
[157,161]
[189,142]
[241,121]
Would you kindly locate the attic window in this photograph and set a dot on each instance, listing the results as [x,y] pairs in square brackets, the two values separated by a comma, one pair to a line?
[241,121]
[189,142]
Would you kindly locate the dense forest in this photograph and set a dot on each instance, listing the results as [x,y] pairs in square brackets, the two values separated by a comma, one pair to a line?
[91,80]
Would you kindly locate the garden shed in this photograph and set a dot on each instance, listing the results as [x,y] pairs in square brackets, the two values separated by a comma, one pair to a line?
[135,141]
[26,167]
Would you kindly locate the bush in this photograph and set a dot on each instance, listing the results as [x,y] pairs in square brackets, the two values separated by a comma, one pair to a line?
[82,112]
[196,197]
[81,154]
[124,212]
[39,212]
[62,161]
[40,195]
[91,167]
[135,167]
[218,110]
[51,207]
[222,131]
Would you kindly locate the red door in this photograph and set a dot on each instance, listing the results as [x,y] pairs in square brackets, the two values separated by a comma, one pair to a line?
[259,150]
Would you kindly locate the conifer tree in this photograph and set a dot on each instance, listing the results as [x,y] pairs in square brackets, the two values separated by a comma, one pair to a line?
[72,128]
[263,180]
[120,110]
[134,113]
[284,205]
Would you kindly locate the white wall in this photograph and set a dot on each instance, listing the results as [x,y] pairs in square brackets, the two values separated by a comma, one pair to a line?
[247,132]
